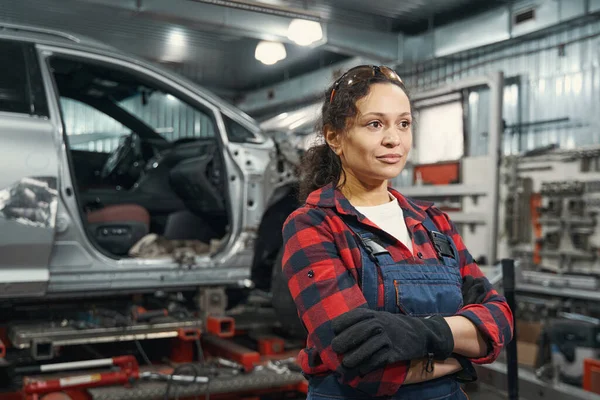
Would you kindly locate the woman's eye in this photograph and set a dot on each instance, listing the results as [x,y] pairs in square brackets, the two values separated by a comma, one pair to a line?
[375,124]
[405,124]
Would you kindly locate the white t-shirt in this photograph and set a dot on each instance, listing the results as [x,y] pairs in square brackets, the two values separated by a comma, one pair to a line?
[390,218]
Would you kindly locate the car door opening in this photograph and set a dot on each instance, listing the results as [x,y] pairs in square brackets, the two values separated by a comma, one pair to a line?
[147,168]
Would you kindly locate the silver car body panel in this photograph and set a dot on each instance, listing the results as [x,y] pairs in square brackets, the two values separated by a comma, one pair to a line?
[28,204]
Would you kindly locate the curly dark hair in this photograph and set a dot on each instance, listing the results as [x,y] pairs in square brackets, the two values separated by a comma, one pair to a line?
[320,165]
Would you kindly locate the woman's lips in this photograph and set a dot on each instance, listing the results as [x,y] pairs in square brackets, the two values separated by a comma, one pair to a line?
[390,158]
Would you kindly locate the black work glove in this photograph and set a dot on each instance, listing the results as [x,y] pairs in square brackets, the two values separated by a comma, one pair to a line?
[474,290]
[467,374]
[371,339]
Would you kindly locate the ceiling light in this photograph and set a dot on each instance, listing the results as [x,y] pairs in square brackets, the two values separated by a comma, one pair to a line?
[304,32]
[270,53]
[176,38]
[175,47]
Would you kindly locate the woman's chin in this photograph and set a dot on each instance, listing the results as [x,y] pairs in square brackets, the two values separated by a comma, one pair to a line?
[390,172]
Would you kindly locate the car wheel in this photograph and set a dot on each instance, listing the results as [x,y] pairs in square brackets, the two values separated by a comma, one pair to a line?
[283,303]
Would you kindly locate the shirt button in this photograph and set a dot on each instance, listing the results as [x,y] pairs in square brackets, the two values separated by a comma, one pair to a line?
[420,255]
[311,273]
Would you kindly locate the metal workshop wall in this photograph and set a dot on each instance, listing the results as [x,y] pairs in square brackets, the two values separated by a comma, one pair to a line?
[552,77]
[88,129]
[91,130]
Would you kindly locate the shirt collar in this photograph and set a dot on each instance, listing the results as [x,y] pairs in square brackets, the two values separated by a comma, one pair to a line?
[415,211]
[330,197]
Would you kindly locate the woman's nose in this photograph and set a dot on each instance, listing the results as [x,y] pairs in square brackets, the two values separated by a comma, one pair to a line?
[391,139]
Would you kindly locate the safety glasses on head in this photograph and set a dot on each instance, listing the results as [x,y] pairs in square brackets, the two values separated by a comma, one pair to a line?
[362,73]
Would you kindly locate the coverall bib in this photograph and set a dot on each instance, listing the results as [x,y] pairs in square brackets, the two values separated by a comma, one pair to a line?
[414,289]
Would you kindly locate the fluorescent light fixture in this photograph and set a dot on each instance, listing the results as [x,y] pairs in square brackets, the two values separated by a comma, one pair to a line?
[270,53]
[176,46]
[304,32]
[298,123]
[176,38]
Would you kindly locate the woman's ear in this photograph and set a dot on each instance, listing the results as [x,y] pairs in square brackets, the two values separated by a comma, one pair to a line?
[333,140]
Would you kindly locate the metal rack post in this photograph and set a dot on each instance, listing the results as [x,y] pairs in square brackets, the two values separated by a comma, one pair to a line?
[512,368]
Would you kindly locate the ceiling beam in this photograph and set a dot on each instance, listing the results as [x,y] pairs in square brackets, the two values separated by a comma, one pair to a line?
[257,21]
[385,47]
[301,90]
[264,8]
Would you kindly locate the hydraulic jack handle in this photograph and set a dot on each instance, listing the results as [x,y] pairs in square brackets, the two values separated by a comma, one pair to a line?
[128,372]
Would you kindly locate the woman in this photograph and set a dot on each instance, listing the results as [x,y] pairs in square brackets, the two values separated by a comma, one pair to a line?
[376,276]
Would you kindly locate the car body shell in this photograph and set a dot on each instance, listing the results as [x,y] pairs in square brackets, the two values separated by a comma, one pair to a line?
[45,249]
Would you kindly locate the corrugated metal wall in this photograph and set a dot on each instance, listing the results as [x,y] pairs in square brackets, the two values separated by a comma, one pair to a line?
[477,104]
[171,117]
[91,130]
[549,78]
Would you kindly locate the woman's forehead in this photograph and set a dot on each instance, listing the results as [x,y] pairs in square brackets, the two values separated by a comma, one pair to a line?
[384,99]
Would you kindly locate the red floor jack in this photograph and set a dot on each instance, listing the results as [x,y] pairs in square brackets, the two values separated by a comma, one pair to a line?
[73,387]
[36,388]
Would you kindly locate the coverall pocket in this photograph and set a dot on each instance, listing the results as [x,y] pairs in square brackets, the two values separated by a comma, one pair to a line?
[420,298]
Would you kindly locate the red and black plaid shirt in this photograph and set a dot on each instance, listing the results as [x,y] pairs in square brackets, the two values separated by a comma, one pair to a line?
[322,264]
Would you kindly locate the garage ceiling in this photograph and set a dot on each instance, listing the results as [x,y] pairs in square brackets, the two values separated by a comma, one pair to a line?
[222,59]
[408,16]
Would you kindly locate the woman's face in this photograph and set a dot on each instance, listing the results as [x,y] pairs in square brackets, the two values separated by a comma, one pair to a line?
[375,147]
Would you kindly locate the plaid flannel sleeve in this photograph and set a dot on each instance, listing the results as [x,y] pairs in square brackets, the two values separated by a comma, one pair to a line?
[323,288]
[493,317]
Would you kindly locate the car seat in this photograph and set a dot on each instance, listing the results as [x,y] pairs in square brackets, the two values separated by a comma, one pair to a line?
[184,225]
[116,228]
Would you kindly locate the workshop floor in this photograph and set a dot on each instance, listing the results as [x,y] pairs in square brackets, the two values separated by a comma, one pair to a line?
[474,392]
[484,393]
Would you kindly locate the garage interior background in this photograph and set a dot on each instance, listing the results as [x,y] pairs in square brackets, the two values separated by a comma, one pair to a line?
[550,61]
[548,51]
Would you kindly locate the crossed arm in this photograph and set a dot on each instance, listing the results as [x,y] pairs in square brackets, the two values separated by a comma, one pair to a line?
[468,342]
[417,371]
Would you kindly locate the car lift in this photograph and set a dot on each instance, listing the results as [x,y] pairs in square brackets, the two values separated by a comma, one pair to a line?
[240,358]
[250,361]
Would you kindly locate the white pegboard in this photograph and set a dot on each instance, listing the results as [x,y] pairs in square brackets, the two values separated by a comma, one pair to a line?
[475,171]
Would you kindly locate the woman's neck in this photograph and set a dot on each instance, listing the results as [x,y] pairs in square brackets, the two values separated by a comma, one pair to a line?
[361,194]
